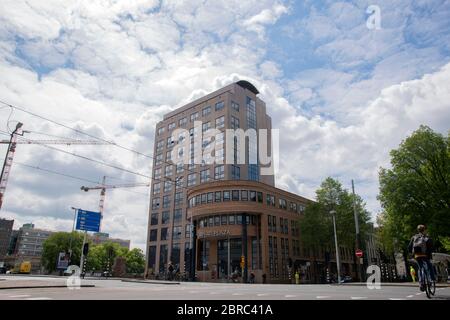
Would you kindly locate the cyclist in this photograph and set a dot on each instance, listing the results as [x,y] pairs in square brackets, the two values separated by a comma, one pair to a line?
[422,247]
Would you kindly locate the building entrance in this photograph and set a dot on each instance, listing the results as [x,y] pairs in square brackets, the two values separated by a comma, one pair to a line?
[228,256]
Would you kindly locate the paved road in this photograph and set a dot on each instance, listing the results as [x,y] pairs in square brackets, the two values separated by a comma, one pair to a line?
[116,289]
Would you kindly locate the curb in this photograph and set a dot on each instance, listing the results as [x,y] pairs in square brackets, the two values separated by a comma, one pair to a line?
[150,282]
[51,286]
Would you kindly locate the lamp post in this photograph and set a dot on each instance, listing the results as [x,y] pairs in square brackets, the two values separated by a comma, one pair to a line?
[338,262]
[71,235]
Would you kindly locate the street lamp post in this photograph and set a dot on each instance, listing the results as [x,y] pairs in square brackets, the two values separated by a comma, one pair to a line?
[71,235]
[338,262]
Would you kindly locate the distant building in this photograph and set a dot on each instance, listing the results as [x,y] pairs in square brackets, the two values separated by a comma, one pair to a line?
[5,234]
[99,238]
[13,242]
[30,240]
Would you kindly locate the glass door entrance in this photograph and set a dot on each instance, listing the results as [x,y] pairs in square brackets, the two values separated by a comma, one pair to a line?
[228,256]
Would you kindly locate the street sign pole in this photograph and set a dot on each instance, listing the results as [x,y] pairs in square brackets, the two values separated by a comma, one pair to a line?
[82,253]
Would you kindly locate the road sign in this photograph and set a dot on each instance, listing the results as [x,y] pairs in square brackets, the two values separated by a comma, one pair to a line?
[359,253]
[63,261]
[88,220]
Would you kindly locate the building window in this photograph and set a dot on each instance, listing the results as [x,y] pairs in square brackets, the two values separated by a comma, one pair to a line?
[217,220]
[164,234]
[206,126]
[187,232]
[159,159]
[235,172]
[154,219]
[220,105]
[155,203]
[177,232]
[253,196]
[171,126]
[234,123]
[218,196]
[156,188]
[253,172]
[204,176]
[219,172]
[206,111]
[157,173]
[168,156]
[161,131]
[235,106]
[226,196]
[166,201]
[165,217]
[168,171]
[192,179]
[251,113]
[167,186]
[231,219]
[204,198]
[194,116]
[220,122]
[182,122]
[223,220]
[238,219]
[235,195]
[210,197]
[220,137]
[160,146]
[180,167]
[282,204]
[170,142]
[178,198]
[270,200]
[244,195]
[260,197]
[154,235]
[162,258]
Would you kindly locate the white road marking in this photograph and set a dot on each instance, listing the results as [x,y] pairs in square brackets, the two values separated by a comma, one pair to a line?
[289,296]
[410,296]
[322,297]
[262,294]
[358,298]
[39,298]
[396,299]
[20,296]
[237,294]
[418,294]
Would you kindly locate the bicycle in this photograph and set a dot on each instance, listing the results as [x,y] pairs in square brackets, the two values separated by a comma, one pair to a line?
[425,280]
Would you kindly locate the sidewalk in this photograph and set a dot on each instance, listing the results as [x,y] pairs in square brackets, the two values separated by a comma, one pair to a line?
[31,284]
[150,281]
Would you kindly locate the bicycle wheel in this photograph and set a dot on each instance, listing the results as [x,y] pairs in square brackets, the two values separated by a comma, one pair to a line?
[432,287]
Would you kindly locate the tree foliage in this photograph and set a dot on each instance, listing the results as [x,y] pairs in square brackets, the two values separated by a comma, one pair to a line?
[316,225]
[61,242]
[416,190]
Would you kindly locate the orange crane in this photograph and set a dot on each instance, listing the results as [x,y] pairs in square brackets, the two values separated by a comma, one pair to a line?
[12,144]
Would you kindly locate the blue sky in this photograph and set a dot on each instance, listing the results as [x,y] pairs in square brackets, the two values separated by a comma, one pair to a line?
[343,95]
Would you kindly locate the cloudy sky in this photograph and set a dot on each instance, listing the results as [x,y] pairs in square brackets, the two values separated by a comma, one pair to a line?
[342,94]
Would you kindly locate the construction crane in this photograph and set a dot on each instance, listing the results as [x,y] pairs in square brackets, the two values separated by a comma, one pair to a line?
[12,144]
[103,188]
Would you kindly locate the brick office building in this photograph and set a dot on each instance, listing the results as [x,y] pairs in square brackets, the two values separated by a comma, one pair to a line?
[236,211]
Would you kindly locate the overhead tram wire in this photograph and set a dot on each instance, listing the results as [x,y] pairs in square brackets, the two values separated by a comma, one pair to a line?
[68,176]
[109,142]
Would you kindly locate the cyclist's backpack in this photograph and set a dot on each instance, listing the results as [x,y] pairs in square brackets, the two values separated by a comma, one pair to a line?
[420,243]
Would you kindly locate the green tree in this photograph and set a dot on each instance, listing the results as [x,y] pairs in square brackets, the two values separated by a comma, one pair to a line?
[135,261]
[101,256]
[416,190]
[61,242]
[316,224]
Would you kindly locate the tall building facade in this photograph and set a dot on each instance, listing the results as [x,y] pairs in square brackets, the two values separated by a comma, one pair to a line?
[215,213]
[6,227]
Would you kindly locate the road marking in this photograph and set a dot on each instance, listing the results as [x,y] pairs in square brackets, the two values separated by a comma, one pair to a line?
[322,297]
[262,294]
[237,294]
[190,291]
[289,296]
[396,299]
[358,298]
[20,296]
[39,298]
[418,294]
[411,296]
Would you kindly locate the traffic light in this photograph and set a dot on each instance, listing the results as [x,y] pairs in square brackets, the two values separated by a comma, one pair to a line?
[85,249]
[242,261]
[290,263]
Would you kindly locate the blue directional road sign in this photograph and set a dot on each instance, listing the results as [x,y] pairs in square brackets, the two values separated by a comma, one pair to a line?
[88,220]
